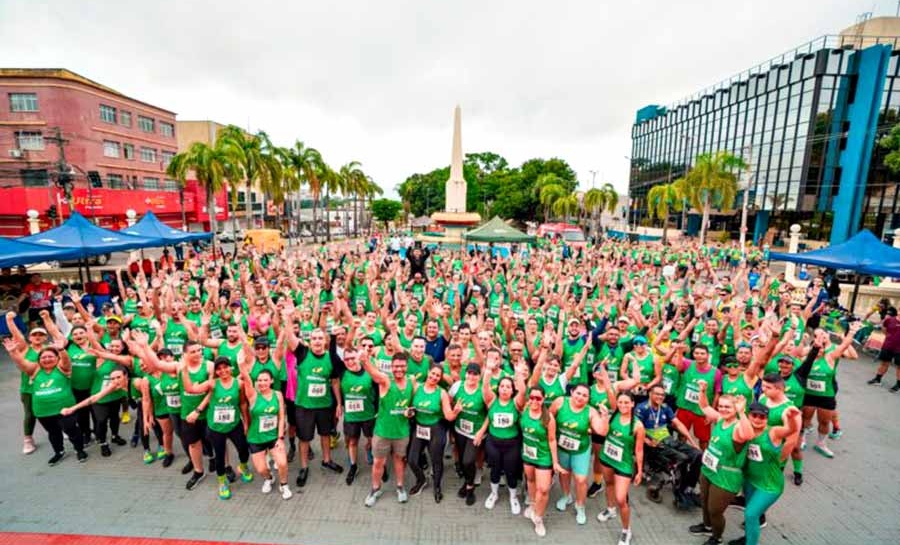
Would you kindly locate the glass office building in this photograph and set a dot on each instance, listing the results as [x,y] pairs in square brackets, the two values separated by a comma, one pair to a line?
[807,121]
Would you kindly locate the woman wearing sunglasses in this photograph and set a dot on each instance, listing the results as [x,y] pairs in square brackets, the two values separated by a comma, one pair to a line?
[539,456]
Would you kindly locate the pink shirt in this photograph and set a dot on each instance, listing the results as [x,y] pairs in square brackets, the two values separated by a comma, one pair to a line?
[291,361]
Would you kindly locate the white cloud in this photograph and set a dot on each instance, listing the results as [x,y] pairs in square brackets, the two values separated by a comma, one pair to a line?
[377,81]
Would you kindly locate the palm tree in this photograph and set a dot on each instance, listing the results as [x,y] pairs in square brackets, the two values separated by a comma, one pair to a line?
[288,183]
[565,204]
[213,168]
[331,182]
[662,199]
[682,193]
[599,199]
[306,163]
[371,190]
[549,194]
[712,182]
[254,154]
[353,178]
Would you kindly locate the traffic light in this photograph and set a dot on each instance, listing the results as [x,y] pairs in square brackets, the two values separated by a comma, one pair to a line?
[51,212]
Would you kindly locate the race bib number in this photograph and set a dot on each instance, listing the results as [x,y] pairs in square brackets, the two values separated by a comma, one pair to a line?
[105,383]
[612,452]
[223,415]
[385,366]
[466,426]
[754,454]
[667,384]
[691,395]
[577,374]
[815,385]
[710,461]
[316,389]
[503,420]
[216,333]
[353,405]
[569,443]
[173,401]
[423,432]
[529,452]
[176,349]
[268,422]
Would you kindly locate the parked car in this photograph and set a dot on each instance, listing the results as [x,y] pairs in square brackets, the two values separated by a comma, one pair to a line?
[227,235]
[101,259]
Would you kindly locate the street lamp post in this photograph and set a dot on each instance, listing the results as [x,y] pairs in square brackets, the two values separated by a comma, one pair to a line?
[743,238]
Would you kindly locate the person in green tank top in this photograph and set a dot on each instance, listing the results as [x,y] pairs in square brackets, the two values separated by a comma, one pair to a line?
[113,386]
[358,392]
[539,455]
[391,434]
[721,477]
[106,408]
[84,366]
[37,339]
[500,433]
[160,407]
[468,393]
[764,467]
[638,365]
[432,405]
[232,346]
[575,421]
[223,396]
[622,457]
[547,375]
[266,428]
[51,393]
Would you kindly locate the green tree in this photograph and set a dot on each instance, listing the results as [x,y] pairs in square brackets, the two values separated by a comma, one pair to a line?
[254,155]
[549,192]
[306,162]
[662,199]
[212,167]
[891,143]
[565,205]
[386,210]
[713,182]
[353,180]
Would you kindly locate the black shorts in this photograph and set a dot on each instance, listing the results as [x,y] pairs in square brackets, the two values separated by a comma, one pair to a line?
[889,356]
[820,402]
[290,410]
[261,447]
[597,439]
[310,421]
[191,433]
[353,430]
[617,472]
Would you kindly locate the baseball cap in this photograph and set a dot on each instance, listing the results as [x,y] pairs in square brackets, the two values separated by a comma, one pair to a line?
[575,321]
[165,352]
[758,408]
[640,339]
[38,330]
[473,368]
[114,319]
[261,341]
[220,361]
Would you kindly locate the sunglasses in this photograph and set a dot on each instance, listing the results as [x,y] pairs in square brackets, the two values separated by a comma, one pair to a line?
[731,365]
[535,398]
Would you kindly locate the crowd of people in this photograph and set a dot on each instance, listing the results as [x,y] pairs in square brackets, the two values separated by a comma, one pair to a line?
[603,369]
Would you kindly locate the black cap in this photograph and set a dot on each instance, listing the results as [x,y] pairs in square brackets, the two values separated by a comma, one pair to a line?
[220,361]
[758,408]
[261,341]
[165,352]
[473,368]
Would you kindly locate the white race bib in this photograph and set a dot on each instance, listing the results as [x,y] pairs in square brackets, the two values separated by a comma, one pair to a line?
[173,401]
[503,420]
[223,415]
[316,389]
[754,454]
[466,426]
[569,443]
[177,349]
[423,432]
[268,422]
[815,385]
[105,383]
[691,395]
[612,452]
[384,366]
[710,461]
[215,333]
[529,452]
[353,405]
[667,384]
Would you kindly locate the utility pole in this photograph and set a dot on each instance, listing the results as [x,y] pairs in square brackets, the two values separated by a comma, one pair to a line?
[748,153]
[684,203]
[63,178]
[593,178]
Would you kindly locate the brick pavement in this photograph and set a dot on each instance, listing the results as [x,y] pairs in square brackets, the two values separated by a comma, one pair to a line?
[853,498]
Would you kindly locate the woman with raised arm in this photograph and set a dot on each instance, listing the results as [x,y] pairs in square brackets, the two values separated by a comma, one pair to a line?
[106,409]
[539,456]
[52,392]
[37,339]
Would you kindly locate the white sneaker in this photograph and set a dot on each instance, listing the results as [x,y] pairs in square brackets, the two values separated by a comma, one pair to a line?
[402,495]
[28,446]
[267,486]
[564,502]
[529,513]
[580,517]
[286,493]
[373,497]
[539,527]
[491,501]
[625,538]
[514,505]
[606,514]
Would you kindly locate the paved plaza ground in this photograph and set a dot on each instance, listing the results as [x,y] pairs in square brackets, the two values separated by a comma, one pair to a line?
[854,498]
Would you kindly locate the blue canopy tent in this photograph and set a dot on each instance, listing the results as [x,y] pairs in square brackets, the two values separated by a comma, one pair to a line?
[13,253]
[86,239]
[151,226]
[862,253]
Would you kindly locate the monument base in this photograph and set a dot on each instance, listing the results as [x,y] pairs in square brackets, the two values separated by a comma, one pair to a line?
[455,225]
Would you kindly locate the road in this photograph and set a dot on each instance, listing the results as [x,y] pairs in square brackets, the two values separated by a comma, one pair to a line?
[853,498]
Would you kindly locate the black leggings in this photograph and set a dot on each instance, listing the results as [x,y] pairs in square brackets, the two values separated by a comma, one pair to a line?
[504,457]
[84,414]
[238,439]
[106,414]
[465,451]
[435,450]
[56,425]
[157,431]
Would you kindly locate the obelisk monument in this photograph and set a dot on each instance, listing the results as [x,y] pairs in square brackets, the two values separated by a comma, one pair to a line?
[454,220]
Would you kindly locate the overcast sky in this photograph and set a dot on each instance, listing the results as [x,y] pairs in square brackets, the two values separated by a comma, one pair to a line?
[376,81]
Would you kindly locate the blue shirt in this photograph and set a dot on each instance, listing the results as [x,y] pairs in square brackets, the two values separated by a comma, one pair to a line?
[655,418]
[436,348]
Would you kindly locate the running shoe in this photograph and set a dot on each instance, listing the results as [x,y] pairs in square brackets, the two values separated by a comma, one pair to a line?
[539,528]
[606,514]
[823,450]
[224,490]
[302,476]
[514,506]
[402,495]
[188,467]
[470,496]
[149,457]
[267,485]
[739,503]
[798,478]
[895,388]
[116,440]
[286,493]
[195,480]
[529,513]
[491,500]
[373,496]
[461,493]
[625,538]
[438,495]
[418,487]
[246,475]
[56,458]
[333,466]
[713,541]
[836,434]
[160,454]
[82,456]
[126,417]
[351,474]
[229,474]
[28,446]
[594,489]
[105,451]
[168,459]
[700,529]
[874,382]
[802,442]
[739,541]
[580,517]
[564,502]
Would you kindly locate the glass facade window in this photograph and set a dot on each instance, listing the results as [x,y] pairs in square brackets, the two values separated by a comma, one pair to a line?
[145,123]
[107,113]
[110,148]
[29,140]
[23,102]
[128,151]
[167,157]
[148,155]
[170,185]
[151,183]
[35,177]
[125,118]
[166,129]
[114,181]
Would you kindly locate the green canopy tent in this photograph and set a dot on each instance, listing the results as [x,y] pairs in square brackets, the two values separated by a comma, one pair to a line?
[497,230]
